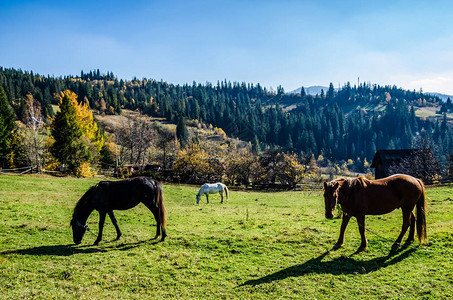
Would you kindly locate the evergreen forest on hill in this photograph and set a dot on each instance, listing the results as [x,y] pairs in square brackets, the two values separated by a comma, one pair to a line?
[351,123]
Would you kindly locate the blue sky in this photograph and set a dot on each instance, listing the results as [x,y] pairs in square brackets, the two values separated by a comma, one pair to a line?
[288,43]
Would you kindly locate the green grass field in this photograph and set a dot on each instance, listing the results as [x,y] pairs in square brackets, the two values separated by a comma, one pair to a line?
[257,245]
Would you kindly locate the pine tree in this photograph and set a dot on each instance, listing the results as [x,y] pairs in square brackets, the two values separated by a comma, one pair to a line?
[107,158]
[7,125]
[181,132]
[77,139]
[302,92]
[289,143]
[330,92]
[66,132]
[256,149]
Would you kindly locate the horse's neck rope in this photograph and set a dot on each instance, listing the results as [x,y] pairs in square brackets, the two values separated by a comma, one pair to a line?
[84,226]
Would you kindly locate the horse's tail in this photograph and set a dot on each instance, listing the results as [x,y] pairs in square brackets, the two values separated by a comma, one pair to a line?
[161,207]
[226,190]
[421,217]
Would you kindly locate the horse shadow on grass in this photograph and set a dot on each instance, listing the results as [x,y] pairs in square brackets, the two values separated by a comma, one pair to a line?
[337,266]
[71,249]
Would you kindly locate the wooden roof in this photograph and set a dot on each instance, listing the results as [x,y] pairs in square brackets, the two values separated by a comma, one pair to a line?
[388,157]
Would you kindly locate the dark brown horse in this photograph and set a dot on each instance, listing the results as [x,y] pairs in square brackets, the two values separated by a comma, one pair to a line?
[359,197]
[107,196]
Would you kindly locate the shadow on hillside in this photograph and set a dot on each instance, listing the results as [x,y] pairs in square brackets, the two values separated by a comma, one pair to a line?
[70,249]
[337,266]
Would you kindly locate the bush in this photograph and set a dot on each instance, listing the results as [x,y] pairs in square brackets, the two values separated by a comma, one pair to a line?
[84,170]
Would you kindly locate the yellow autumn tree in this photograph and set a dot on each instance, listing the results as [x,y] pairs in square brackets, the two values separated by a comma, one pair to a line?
[191,163]
[291,171]
[239,166]
[76,137]
[195,165]
[87,124]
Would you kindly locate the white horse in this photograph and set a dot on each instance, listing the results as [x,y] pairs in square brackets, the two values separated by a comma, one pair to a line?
[212,188]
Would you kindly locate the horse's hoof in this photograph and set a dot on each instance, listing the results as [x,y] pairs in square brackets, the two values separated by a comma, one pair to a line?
[336,246]
[96,243]
[361,249]
[396,245]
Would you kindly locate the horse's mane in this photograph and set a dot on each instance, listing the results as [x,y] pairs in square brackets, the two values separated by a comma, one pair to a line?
[358,182]
[349,186]
[82,201]
[361,182]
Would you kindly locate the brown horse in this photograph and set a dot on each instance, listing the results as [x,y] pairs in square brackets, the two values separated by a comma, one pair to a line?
[359,197]
[107,196]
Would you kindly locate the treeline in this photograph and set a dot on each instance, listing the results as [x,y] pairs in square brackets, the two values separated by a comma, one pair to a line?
[73,143]
[377,117]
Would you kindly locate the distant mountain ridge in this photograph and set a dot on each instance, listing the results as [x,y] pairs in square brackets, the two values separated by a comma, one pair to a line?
[441,96]
[311,90]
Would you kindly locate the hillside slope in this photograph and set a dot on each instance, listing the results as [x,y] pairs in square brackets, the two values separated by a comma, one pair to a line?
[349,123]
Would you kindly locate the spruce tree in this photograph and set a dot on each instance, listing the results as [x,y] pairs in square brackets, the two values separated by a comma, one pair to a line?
[7,125]
[66,131]
[77,138]
[181,132]
[256,149]
[302,92]
[330,92]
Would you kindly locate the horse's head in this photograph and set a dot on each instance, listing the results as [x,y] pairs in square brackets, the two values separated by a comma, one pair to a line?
[82,210]
[330,197]
[198,198]
[78,231]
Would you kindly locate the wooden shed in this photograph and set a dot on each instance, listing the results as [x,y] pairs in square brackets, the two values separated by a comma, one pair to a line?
[407,161]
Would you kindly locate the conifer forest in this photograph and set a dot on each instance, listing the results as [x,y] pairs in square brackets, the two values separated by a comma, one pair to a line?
[348,123]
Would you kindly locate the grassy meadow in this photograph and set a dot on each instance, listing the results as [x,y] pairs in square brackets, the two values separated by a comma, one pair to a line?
[257,245]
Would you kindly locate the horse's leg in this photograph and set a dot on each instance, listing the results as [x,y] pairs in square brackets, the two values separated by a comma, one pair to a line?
[406,223]
[361,223]
[115,223]
[102,215]
[156,216]
[221,196]
[155,212]
[344,223]
[411,236]
[207,198]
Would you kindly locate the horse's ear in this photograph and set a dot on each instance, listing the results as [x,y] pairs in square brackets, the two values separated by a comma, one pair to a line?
[335,186]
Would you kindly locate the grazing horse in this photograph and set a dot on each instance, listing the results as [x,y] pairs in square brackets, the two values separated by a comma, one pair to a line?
[359,197]
[212,188]
[107,196]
